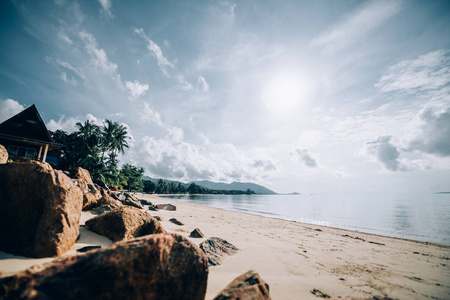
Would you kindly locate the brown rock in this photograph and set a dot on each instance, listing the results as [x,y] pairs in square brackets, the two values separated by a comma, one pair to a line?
[215,248]
[40,210]
[90,192]
[3,155]
[133,201]
[196,233]
[166,207]
[163,266]
[248,286]
[124,223]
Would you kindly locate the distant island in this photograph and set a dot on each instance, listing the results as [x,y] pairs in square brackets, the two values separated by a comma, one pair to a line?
[442,193]
[162,186]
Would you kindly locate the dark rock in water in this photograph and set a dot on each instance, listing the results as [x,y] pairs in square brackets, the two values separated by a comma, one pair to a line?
[215,248]
[131,200]
[90,193]
[124,223]
[88,248]
[40,210]
[162,266]
[166,207]
[145,202]
[248,286]
[175,221]
[196,233]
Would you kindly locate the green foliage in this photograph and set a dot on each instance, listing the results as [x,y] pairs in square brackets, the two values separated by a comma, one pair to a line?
[134,175]
[95,148]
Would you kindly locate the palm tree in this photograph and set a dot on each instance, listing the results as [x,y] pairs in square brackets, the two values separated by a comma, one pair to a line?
[115,137]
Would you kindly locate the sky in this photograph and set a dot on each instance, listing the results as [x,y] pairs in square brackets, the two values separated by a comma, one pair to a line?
[299,96]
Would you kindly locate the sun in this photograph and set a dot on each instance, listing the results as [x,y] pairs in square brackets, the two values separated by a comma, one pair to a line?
[285,93]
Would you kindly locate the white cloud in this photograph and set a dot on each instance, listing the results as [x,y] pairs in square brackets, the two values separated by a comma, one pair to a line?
[203,86]
[69,124]
[185,85]
[68,72]
[136,89]
[184,161]
[9,108]
[106,6]
[303,156]
[428,72]
[99,58]
[156,51]
[357,25]
[65,38]
[430,132]
[149,115]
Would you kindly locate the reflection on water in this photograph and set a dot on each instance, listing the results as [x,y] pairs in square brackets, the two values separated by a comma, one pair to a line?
[419,217]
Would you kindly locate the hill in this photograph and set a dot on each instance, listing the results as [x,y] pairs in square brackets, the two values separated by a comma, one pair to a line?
[242,186]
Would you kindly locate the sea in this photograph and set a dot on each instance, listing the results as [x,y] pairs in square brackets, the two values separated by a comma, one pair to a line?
[422,217]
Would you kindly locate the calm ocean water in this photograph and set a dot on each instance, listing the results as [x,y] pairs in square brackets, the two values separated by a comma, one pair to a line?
[423,217]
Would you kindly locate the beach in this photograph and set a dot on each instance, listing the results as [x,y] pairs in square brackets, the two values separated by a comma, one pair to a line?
[297,260]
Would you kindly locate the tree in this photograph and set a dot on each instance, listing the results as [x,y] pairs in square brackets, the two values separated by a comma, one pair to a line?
[134,177]
[149,186]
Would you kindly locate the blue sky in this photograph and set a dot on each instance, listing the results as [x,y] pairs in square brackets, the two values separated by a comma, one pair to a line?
[306,96]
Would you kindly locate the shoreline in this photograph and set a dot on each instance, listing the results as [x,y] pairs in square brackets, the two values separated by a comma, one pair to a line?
[296,258]
[162,196]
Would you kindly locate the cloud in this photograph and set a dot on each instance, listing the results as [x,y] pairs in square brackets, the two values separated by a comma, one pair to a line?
[69,124]
[185,85]
[9,108]
[136,89]
[149,115]
[185,161]
[99,58]
[65,38]
[203,86]
[432,132]
[68,72]
[106,8]
[428,72]
[303,156]
[357,25]
[388,155]
[156,51]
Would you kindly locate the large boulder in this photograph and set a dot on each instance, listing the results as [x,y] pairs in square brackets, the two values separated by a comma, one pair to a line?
[91,194]
[3,155]
[248,286]
[215,248]
[40,210]
[124,223]
[162,266]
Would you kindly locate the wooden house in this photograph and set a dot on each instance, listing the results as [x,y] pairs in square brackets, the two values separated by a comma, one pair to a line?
[26,137]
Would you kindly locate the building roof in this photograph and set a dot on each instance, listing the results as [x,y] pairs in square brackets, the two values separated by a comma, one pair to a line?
[27,126]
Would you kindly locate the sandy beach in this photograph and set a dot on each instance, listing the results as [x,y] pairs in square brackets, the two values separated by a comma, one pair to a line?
[297,260]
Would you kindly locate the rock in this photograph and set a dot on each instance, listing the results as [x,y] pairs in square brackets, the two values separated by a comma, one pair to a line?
[152,208]
[88,248]
[90,193]
[145,202]
[248,286]
[166,207]
[215,248]
[3,155]
[162,266]
[40,210]
[131,200]
[108,198]
[158,218]
[175,221]
[102,209]
[196,233]
[124,223]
